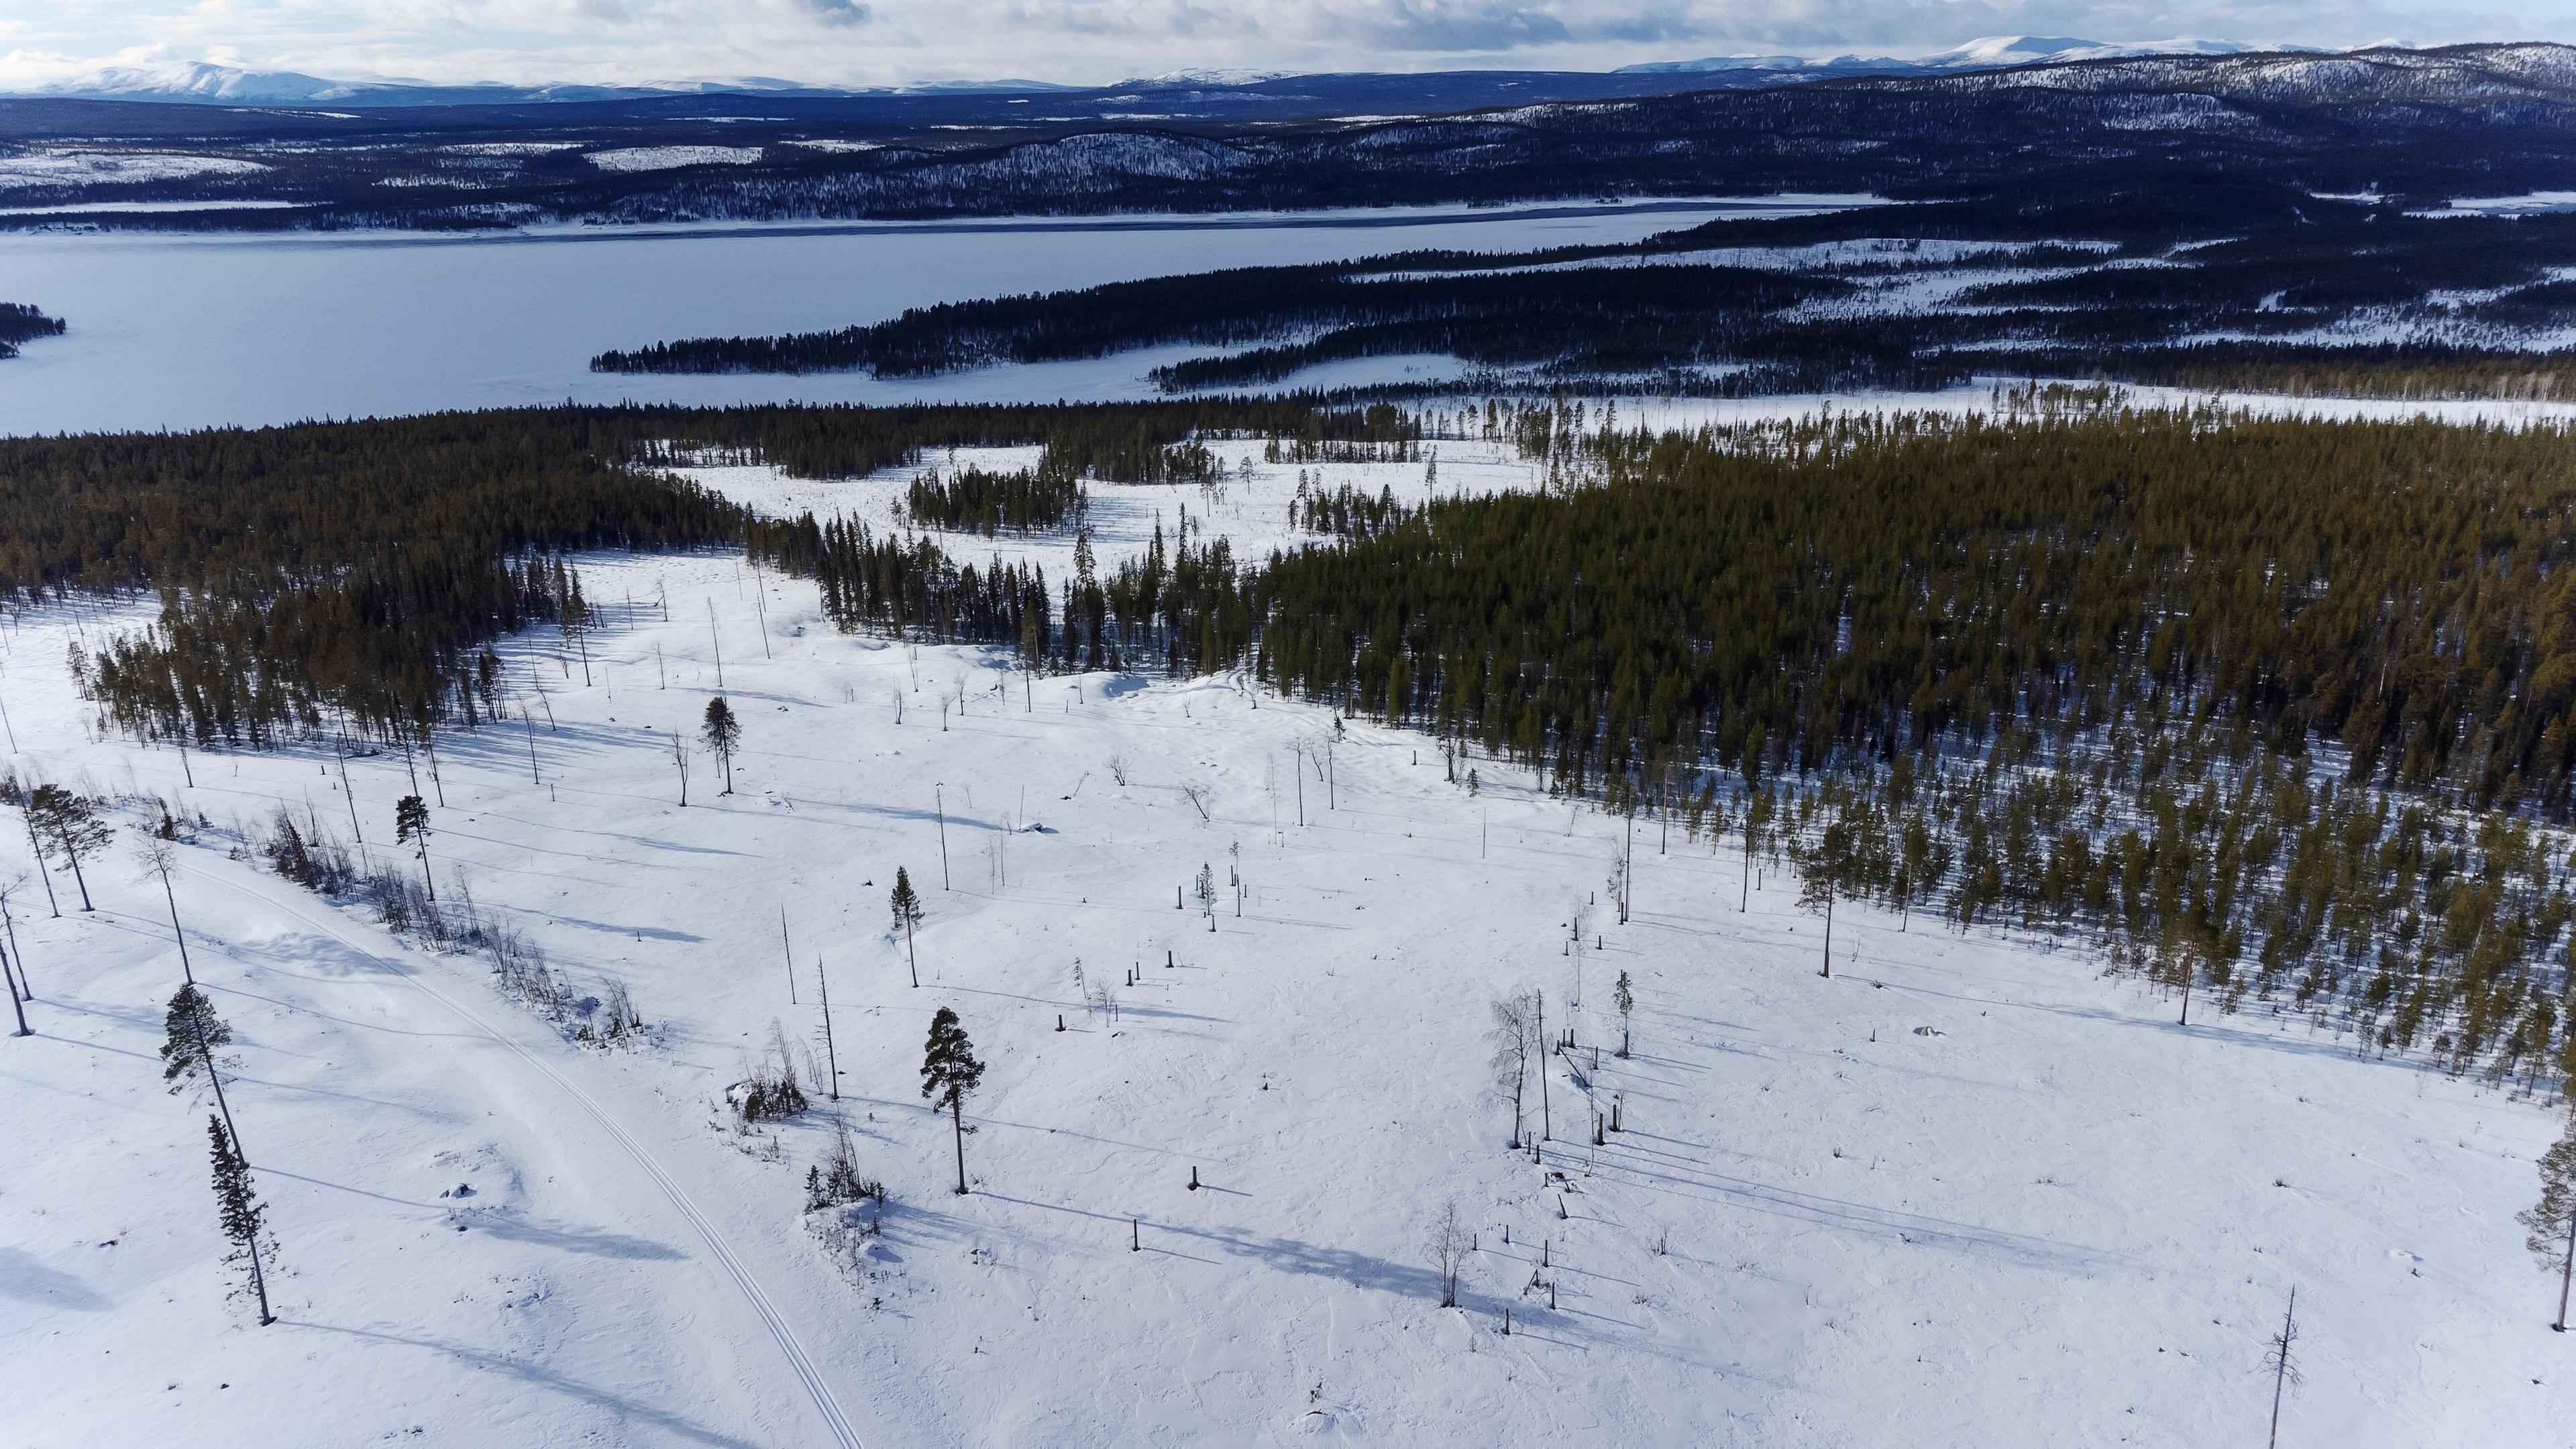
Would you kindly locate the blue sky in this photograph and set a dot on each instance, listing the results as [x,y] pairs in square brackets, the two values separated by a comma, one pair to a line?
[881,41]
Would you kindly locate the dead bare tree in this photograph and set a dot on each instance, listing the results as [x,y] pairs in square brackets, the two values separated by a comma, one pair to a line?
[2283,1362]
[158,858]
[1512,1036]
[1447,1245]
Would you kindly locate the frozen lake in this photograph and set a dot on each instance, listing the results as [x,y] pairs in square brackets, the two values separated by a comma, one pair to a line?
[183,332]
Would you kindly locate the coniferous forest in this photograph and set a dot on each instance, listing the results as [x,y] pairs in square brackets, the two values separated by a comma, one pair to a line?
[2276,710]
[2284,710]
[2219,284]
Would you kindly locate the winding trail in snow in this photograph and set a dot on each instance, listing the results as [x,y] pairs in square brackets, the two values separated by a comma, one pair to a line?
[799,1360]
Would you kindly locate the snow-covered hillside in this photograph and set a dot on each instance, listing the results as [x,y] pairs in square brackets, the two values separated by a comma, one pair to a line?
[1964,1192]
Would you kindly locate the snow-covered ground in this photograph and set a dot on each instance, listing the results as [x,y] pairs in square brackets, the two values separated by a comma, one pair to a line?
[61,166]
[664,158]
[1965,1192]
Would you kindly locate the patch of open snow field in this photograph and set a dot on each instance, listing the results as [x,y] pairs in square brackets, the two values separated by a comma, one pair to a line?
[1965,1192]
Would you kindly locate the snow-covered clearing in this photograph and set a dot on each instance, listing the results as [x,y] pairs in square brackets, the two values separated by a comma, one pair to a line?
[1965,1192]
[95,168]
[664,158]
[1253,512]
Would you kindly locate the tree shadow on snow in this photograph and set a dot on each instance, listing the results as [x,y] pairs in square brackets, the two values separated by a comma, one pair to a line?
[25,1279]
[539,1376]
[593,1242]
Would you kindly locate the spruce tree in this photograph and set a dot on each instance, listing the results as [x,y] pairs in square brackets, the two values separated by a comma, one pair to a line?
[948,1072]
[192,1034]
[238,1209]
[907,914]
[1625,999]
[722,733]
[2552,1220]
[411,827]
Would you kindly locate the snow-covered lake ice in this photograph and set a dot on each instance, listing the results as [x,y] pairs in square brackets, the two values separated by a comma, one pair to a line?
[183,332]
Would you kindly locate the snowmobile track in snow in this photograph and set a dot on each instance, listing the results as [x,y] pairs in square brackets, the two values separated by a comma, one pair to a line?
[798,1359]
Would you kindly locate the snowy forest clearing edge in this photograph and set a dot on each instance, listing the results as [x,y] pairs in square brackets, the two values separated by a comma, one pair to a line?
[1966,1184]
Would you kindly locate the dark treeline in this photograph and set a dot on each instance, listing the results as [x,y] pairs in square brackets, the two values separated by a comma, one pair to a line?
[1605,317]
[2285,710]
[909,589]
[2282,710]
[1346,510]
[988,503]
[1853,588]
[359,572]
[359,569]
[1135,617]
[22,323]
[2162,267]
[2385,371]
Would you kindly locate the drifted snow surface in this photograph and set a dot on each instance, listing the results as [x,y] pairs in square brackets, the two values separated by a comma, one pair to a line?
[1966,1192]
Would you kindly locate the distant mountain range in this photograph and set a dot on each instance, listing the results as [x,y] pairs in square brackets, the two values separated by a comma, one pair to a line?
[1992,52]
[2221,130]
[197,82]
[201,83]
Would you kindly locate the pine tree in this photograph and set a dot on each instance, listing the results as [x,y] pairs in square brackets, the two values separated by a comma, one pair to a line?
[907,914]
[1828,873]
[411,826]
[948,1072]
[1623,997]
[69,827]
[238,1209]
[722,734]
[2552,1220]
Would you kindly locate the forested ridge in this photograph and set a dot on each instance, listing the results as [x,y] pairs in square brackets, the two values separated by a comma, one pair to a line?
[2276,710]
[1497,316]
[359,571]
[2495,120]
[2214,282]
[2280,710]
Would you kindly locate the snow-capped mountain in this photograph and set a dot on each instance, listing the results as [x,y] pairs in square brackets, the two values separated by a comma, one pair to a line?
[203,83]
[1991,52]
[198,81]
[1205,76]
[1994,51]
